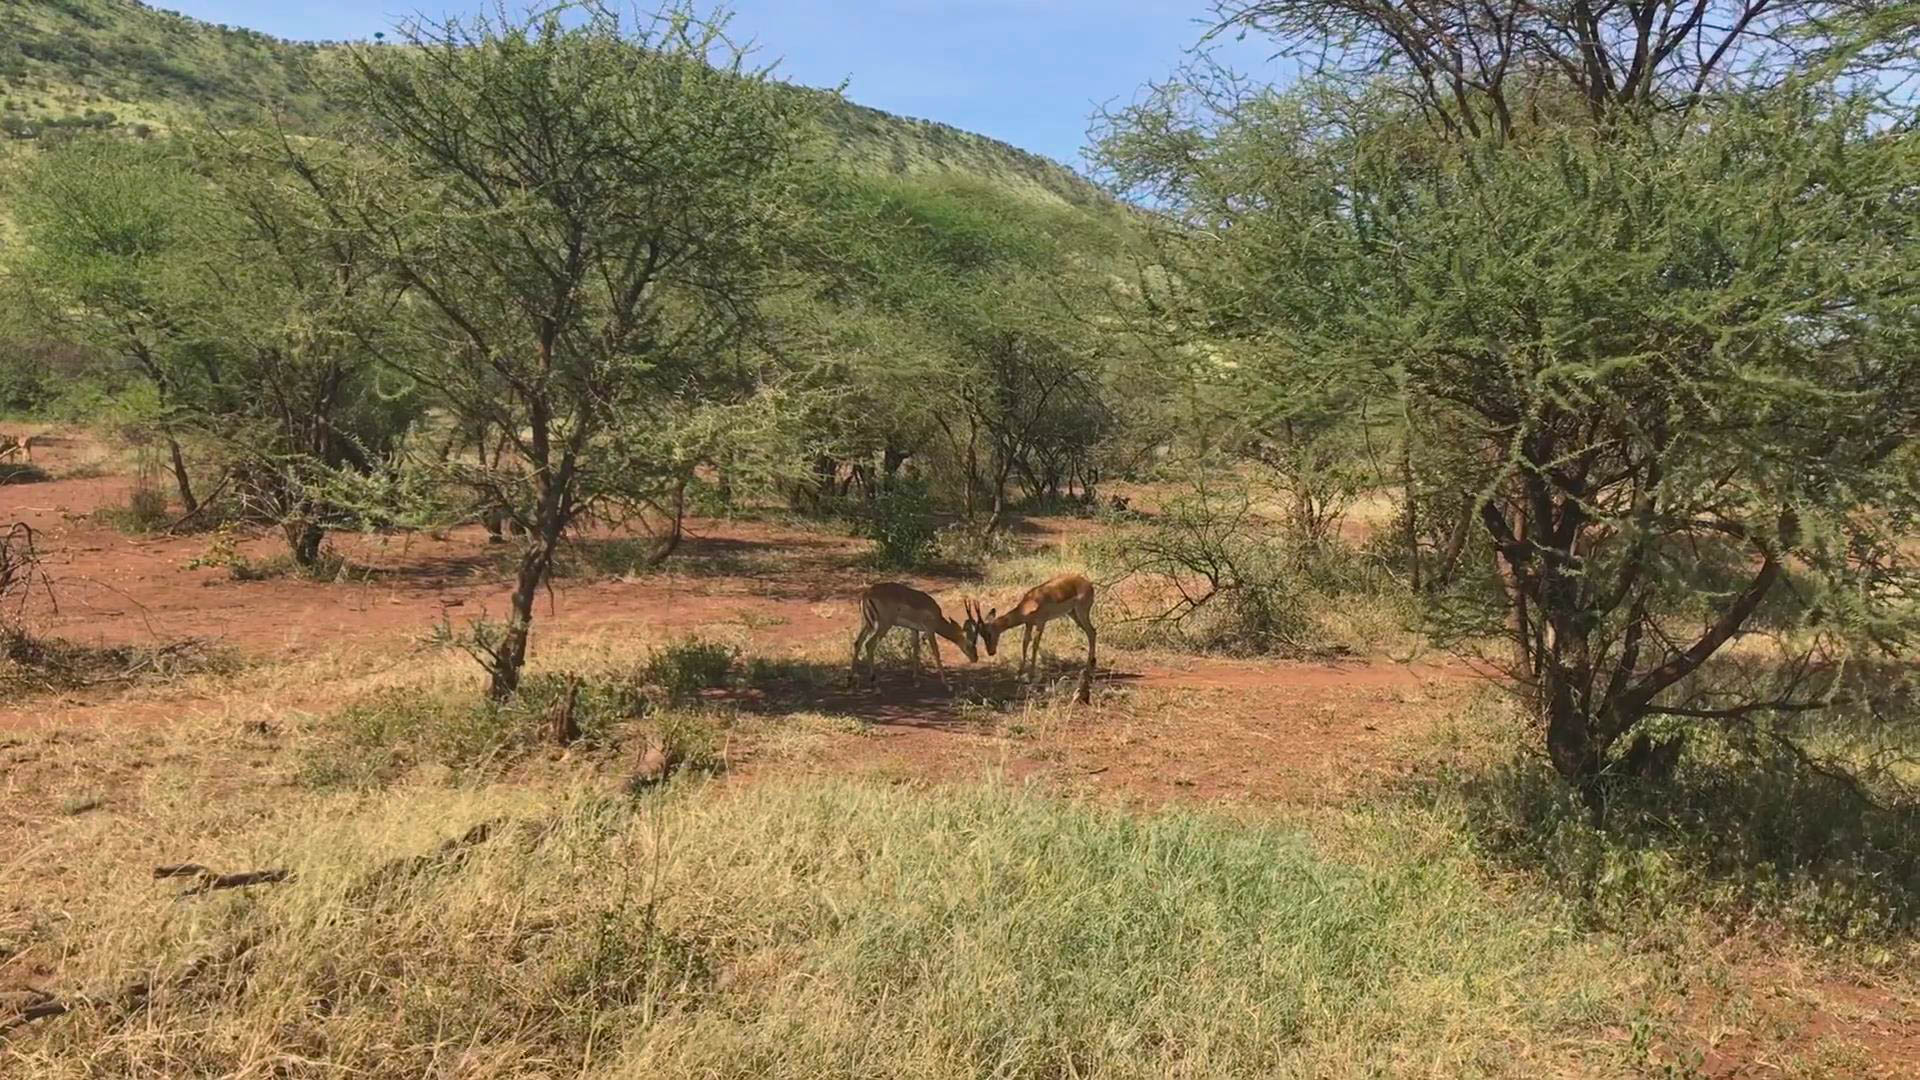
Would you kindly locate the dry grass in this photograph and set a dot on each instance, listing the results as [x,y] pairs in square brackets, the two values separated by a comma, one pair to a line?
[790,929]
[795,924]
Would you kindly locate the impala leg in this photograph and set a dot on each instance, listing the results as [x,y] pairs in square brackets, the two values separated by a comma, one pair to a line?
[1085,619]
[913,638]
[939,665]
[860,639]
[1026,646]
[873,653]
[1039,632]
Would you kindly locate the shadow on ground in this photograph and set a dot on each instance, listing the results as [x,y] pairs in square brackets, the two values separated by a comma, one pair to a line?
[896,699]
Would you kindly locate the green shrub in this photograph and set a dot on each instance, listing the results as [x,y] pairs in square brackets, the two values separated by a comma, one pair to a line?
[686,667]
[145,510]
[372,742]
[964,544]
[1211,575]
[901,525]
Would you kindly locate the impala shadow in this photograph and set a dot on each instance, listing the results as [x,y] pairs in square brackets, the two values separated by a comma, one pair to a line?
[896,699]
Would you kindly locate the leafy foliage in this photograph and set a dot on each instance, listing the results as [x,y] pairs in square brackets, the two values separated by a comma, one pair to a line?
[585,216]
[1634,347]
[901,524]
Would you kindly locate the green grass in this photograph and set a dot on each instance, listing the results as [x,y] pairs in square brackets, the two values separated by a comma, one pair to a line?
[376,741]
[788,923]
[794,929]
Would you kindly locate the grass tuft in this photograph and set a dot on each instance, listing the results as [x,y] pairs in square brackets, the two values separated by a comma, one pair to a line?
[144,511]
[686,667]
[34,664]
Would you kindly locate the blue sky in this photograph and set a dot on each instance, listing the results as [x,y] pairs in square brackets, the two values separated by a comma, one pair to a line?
[1027,72]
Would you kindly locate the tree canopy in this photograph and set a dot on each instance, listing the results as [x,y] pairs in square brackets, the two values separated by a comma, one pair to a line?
[1664,365]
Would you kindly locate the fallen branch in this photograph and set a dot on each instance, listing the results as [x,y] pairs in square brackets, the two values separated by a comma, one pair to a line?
[452,852]
[25,1006]
[131,996]
[209,880]
[204,504]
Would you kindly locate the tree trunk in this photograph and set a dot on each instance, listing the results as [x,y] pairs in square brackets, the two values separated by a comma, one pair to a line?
[973,469]
[1574,742]
[670,543]
[511,656]
[180,477]
[824,471]
[304,538]
[1410,518]
[891,460]
[997,517]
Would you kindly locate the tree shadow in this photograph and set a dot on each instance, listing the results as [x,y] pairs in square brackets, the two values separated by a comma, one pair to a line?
[1742,828]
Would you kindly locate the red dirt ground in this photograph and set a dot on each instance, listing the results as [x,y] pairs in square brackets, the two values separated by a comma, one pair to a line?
[783,587]
[1190,730]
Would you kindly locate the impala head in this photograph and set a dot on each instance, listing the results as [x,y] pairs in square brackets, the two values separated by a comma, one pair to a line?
[980,627]
[968,635]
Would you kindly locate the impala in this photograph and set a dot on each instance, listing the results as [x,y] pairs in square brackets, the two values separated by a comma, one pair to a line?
[1068,594]
[16,444]
[890,604]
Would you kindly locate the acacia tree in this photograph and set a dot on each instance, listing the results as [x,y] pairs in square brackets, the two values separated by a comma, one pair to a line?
[114,248]
[250,317]
[1033,394]
[1653,348]
[584,218]
[306,313]
[949,312]
[1481,68]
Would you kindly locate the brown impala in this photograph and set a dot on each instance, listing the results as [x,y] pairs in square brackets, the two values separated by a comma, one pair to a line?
[10,445]
[889,604]
[1067,594]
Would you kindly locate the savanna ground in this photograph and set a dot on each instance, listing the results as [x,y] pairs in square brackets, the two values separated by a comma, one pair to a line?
[1219,867]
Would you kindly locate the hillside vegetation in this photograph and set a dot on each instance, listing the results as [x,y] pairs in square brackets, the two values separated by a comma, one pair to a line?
[61,60]
[119,63]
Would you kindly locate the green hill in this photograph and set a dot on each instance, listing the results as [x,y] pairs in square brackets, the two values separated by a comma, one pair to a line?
[117,63]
